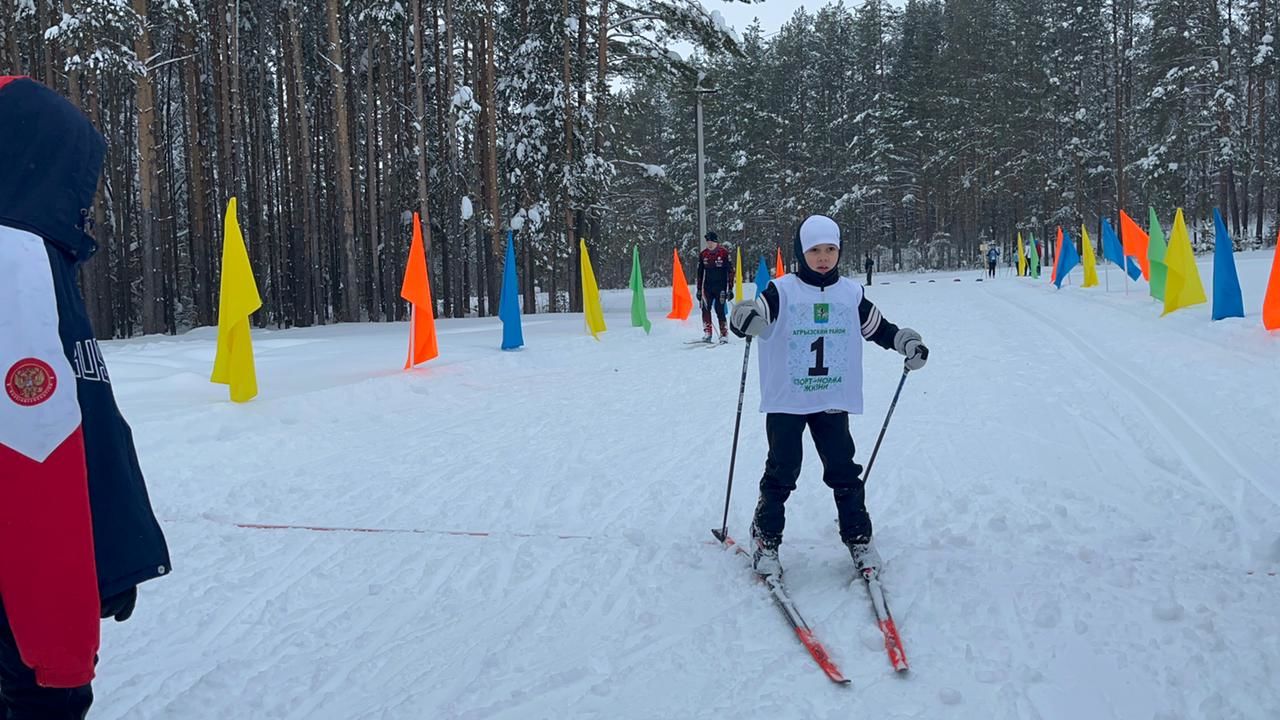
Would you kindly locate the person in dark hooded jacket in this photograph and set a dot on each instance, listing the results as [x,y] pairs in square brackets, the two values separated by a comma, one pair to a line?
[77,532]
[811,325]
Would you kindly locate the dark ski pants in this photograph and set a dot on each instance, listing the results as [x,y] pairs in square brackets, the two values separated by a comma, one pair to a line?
[830,433]
[22,699]
[707,304]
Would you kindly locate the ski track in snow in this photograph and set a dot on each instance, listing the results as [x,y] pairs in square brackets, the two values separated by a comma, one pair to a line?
[1203,458]
[1066,522]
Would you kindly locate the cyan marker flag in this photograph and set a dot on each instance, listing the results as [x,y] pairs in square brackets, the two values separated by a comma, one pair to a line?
[509,306]
[763,277]
[1067,259]
[1227,301]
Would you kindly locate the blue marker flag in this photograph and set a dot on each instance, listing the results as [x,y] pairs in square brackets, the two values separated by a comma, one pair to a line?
[762,277]
[1114,251]
[1227,301]
[509,306]
[1067,259]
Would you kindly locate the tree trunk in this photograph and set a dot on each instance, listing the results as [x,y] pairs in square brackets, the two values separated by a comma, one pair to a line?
[148,199]
[529,286]
[119,186]
[566,199]
[287,250]
[266,211]
[394,247]
[1119,59]
[310,270]
[172,282]
[1262,148]
[47,75]
[105,318]
[237,109]
[453,259]
[602,95]
[420,113]
[12,58]
[455,232]
[249,205]
[198,229]
[225,185]
[372,185]
[342,171]
[490,129]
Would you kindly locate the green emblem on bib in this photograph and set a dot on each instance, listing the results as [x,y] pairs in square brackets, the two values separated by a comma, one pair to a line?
[821,312]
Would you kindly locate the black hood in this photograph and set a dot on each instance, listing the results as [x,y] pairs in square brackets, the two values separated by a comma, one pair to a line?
[810,276]
[50,159]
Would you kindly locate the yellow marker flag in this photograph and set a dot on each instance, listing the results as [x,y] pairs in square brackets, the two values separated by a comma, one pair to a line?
[1090,260]
[591,309]
[237,299]
[1182,286]
[737,277]
[1022,258]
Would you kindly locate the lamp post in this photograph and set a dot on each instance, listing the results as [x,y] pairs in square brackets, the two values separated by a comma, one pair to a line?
[698,92]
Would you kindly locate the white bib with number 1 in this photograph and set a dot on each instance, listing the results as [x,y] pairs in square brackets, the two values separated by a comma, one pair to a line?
[811,356]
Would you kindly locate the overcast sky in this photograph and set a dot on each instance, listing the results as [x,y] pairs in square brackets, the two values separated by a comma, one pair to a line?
[772,13]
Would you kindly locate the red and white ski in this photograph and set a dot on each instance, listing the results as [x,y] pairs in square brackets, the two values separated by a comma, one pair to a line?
[788,607]
[892,641]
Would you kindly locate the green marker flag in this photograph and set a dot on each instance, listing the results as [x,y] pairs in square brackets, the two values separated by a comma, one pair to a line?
[1034,262]
[639,315]
[1155,254]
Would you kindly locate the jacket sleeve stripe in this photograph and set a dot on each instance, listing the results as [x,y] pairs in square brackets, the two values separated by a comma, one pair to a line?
[38,407]
[871,321]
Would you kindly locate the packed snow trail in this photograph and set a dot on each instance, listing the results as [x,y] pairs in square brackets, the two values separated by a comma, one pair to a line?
[1069,499]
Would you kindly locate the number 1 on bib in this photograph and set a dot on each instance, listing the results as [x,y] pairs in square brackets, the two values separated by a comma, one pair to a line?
[818,369]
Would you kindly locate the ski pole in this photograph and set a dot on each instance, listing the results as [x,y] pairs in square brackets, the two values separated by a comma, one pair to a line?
[723,532]
[867,473]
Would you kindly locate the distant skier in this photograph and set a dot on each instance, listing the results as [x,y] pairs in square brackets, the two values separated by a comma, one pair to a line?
[993,258]
[715,285]
[810,325]
[870,265]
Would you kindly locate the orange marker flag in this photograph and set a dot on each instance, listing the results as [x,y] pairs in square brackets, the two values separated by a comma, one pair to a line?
[417,290]
[1135,241]
[779,269]
[1271,301]
[681,300]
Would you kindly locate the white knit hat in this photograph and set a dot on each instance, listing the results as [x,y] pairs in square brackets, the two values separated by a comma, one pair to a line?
[818,230]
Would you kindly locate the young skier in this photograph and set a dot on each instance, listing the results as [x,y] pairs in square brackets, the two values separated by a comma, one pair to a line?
[811,325]
[715,285]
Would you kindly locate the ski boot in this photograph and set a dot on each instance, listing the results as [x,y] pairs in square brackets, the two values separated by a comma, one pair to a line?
[764,555]
[865,557]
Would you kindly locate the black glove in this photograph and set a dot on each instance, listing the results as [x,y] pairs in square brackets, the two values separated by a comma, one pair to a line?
[120,606]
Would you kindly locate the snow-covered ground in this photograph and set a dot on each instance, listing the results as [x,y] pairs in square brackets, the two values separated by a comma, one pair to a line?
[1078,503]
